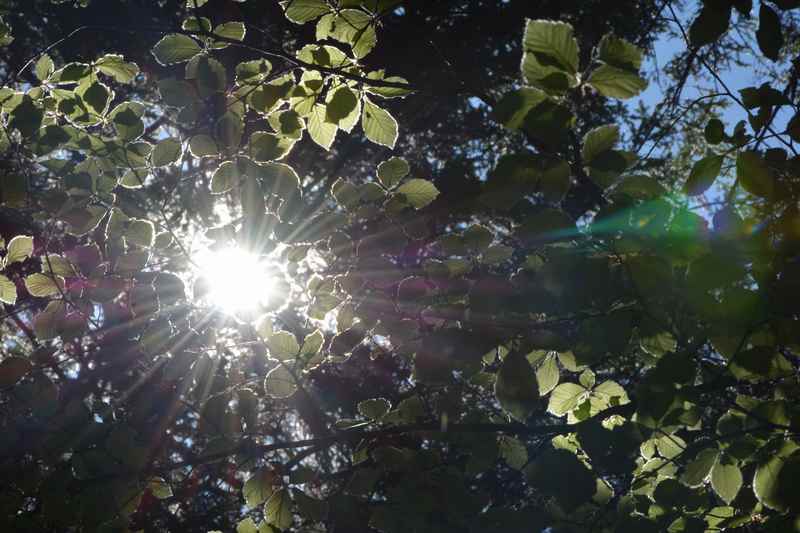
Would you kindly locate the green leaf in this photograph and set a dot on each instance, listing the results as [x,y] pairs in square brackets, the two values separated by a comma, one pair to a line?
[231,30]
[8,291]
[515,105]
[374,408]
[321,131]
[770,484]
[283,346]
[759,363]
[496,254]
[115,66]
[44,67]
[477,238]
[209,75]
[726,478]
[391,171]
[302,11]
[699,468]
[287,123]
[203,146]
[711,23]
[252,72]
[513,452]
[246,526]
[96,96]
[127,120]
[43,286]
[279,383]
[619,53]
[616,83]
[166,152]
[703,174]
[565,398]
[714,131]
[175,48]
[516,387]
[159,488]
[754,175]
[547,375]
[560,474]
[769,34]
[19,249]
[225,177]
[418,192]
[141,233]
[553,42]
[265,146]
[599,140]
[278,509]
[26,117]
[58,265]
[260,486]
[12,369]
[341,106]
[379,126]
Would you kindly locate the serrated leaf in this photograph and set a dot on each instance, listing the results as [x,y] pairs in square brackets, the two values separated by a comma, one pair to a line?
[259,487]
[279,383]
[302,11]
[166,152]
[225,177]
[283,346]
[321,131]
[699,468]
[231,30]
[619,53]
[278,509]
[392,171]
[565,398]
[616,83]
[374,408]
[726,479]
[175,48]
[43,286]
[141,233]
[19,249]
[44,67]
[555,40]
[599,140]
[513,452]
[115,66]
[8,291]
[767,484]
[203,145]
[264,146]
[418,192]
[379,126]
[312,344]
[547,375]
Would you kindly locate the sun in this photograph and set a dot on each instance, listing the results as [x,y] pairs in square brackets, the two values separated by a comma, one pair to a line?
[235,280]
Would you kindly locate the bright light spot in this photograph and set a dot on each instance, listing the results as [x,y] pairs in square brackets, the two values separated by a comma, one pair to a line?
[235,279]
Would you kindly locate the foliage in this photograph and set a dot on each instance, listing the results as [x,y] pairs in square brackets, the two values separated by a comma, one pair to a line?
[498,359]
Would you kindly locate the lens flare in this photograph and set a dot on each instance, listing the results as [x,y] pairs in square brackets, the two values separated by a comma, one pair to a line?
[234,279]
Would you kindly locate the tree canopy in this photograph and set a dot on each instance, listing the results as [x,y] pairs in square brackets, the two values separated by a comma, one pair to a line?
[399,266]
